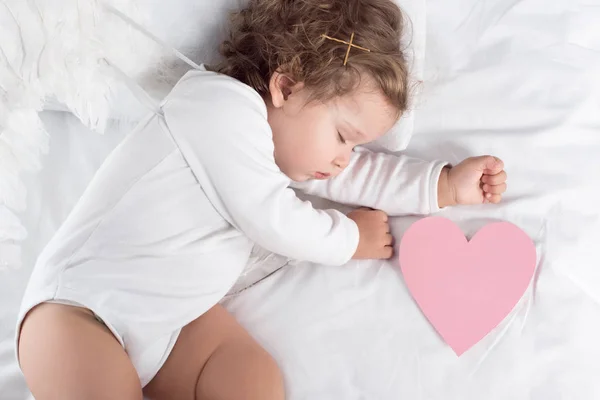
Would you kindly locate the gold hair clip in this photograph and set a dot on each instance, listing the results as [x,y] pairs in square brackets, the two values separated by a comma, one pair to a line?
[350,45]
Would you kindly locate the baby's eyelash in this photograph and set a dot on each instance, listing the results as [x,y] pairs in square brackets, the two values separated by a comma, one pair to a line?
[342,140]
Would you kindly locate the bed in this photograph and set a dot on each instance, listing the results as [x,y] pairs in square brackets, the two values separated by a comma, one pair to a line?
[518,79]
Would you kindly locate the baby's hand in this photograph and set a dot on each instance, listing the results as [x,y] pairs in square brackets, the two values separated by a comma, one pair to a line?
[375,240]
[476,180]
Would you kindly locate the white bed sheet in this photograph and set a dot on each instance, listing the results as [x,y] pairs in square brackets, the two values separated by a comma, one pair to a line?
[514,78]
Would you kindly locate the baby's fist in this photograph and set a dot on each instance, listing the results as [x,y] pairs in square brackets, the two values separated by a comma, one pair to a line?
[375,240]
[477,180]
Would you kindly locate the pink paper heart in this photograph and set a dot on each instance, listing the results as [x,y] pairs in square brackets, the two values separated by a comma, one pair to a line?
[465,289]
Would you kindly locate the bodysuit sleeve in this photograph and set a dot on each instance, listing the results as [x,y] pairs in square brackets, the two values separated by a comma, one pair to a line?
[221,127]
[398,185]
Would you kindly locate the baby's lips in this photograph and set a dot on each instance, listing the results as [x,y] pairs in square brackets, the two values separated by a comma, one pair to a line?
[321,175]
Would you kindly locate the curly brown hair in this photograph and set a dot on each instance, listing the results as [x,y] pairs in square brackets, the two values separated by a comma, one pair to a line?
[287,36]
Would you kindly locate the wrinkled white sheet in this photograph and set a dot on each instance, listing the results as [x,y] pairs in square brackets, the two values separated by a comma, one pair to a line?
[518,79]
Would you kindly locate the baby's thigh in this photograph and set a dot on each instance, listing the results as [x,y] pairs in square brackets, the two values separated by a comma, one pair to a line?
[65,353]
[216,359]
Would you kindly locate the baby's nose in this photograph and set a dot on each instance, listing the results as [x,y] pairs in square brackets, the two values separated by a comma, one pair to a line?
[341,163]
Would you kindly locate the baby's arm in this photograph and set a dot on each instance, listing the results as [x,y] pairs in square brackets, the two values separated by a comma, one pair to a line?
[221,128]
[398,185]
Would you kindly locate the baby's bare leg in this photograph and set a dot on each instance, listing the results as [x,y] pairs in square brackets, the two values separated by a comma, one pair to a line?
[65,353]
[216,359]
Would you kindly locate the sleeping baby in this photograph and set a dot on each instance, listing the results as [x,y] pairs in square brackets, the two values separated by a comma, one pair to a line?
[123,301]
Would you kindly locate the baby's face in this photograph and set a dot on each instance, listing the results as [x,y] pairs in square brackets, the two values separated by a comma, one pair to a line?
[315,140]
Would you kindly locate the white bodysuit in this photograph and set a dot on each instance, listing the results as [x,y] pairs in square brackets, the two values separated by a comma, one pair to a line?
[168,223]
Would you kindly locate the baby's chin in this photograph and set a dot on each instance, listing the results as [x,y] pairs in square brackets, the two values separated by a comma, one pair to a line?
[299,177]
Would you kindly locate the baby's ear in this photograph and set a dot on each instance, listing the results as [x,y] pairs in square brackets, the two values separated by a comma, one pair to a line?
[282,87]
